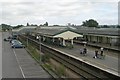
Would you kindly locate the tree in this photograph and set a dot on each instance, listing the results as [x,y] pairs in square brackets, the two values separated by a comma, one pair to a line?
[18,26]
[118,26]
[105,26]
[27,24]
[90,23]
[5,27]
[46,24]
[55,25]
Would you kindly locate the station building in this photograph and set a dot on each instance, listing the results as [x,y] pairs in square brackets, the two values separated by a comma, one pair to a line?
[57,35]
[109,36]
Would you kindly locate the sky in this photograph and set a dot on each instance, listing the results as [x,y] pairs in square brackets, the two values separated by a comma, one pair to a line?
[61,12]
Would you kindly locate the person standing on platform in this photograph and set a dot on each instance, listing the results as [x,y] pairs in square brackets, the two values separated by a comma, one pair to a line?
[96,54]
[101,51]
[84,50]
[81,51]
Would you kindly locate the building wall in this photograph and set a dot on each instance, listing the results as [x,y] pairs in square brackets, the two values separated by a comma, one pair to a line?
[102,39]
[115,41]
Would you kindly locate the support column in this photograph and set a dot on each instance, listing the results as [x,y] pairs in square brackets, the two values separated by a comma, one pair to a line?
[72,41]
[64,43]
[43,38]
[53,40]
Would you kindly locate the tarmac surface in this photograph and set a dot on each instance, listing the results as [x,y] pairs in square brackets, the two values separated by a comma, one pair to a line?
[17,63]
[10,67]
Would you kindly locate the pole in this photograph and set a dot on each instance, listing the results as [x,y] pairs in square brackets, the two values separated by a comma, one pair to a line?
[27,41]
[40,49]
[39,38]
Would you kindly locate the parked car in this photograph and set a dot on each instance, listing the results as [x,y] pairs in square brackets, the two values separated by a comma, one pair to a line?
[17,44]
[14,41]
[7,39]
[12,38]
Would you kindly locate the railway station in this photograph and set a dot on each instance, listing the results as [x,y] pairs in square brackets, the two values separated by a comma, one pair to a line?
[108,38]
[70,40]
[60,40]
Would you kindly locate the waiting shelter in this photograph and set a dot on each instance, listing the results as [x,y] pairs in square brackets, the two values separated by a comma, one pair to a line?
[57,35]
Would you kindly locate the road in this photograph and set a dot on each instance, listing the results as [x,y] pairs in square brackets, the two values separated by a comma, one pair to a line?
[0,55]
[17,63]
[10,67]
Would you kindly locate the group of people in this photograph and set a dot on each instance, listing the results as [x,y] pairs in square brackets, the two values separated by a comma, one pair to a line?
[96,53]
[84,52]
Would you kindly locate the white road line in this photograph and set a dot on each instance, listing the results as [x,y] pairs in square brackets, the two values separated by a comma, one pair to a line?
[22,72]
[19,64]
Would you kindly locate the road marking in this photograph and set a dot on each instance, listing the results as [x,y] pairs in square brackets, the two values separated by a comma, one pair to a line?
[19,64]
[22,72]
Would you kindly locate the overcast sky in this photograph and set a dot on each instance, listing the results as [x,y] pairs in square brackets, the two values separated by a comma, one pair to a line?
[16,12]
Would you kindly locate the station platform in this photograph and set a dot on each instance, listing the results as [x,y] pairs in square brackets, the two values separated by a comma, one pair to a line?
[106,46]
[108,63]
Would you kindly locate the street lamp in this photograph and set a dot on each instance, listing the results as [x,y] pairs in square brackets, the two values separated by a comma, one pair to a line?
[39,38]
[27,41]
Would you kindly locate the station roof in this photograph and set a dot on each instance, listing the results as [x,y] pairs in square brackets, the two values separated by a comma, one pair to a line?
[85,31]
[52,30]
[24,29]
[62,33]
[99,31]
[68,34]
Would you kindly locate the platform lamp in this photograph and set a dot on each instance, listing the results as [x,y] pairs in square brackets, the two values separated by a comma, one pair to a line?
[39,38]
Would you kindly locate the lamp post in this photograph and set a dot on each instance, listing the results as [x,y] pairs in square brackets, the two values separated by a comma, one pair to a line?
[27,41]
[10,30]
[39,38]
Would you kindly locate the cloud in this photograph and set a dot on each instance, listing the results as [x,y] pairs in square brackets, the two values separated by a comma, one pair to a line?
[58,11]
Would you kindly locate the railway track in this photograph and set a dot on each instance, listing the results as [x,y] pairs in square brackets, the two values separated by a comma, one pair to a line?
[86,71]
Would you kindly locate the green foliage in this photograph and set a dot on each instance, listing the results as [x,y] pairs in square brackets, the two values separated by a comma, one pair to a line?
[61,71]
[118,26]
[18,26]
[6,27]
[90,23]
[48,66]
[56,25]
[34,52]
[45,58]
[27,24]
[46,24]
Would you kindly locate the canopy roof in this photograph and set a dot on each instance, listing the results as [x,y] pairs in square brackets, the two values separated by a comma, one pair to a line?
[68,35]
[59,33]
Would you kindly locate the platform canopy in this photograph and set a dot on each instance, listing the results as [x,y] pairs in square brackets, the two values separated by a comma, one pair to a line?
[68,34]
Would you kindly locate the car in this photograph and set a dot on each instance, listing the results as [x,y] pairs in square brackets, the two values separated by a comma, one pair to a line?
[17,44]
[7,39]
[12,38]
[14,41]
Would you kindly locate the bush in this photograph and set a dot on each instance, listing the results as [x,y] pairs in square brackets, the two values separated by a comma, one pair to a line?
[45,58]
[61,71]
